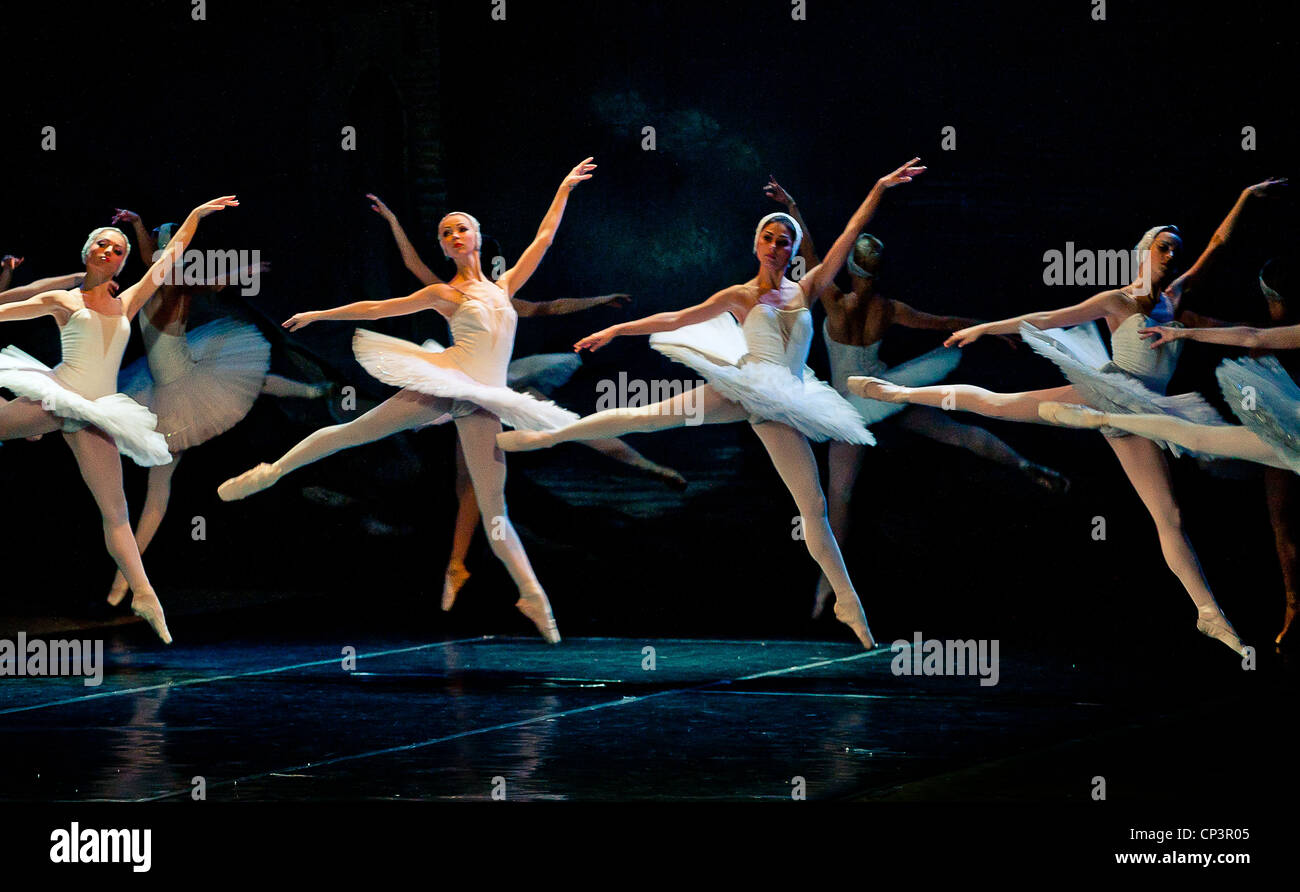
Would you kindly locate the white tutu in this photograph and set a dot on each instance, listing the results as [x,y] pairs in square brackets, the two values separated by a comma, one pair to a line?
[717,349]
[403,364]
[1271,409]
[209,385]
[130,424]
[1080,354]
[546,372]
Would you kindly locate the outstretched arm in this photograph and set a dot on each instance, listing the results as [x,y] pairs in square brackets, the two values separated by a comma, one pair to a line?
[139,294]
[909,317]
[1099,306]
[429,297]
[51,303]
[410,257]
[54,283]
[724,301]
[563,306]
[1220,237]
[1283,337]
[514,278]
[818,277]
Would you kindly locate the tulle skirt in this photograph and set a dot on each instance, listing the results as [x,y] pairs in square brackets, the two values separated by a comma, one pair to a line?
[403,364]
[131,425]
[767,390]
[1265,399]
[1080,354]
[227,365]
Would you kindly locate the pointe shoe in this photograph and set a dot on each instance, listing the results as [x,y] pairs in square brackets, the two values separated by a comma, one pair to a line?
[856,619]
[875,389]
[117,594]
[521,441]
[1053,481]
[452,581]
[537,608]
[1287,618]
[1069,415]
[246,484]
[150,610]
[1212,623]
[824,595]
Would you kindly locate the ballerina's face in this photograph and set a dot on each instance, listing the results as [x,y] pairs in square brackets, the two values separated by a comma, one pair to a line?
[457,236]
[774,244]
[108,253]
[1165,253]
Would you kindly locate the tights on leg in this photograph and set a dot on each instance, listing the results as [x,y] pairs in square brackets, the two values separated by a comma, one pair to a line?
[968,398]
[275,385]
[101,468]
[940,427]
[1147,469]
[404,410]
[708,406]
[467,513]
[25,418]
[151,516]
[1227,441]
[1281,488]
[845,461]
[794,461]
[486,465]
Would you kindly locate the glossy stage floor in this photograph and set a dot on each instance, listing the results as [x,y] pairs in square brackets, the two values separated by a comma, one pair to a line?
[281,718]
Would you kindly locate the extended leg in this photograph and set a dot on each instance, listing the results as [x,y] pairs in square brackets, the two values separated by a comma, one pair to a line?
[467,516]
[25,418]
[151,516]
[1227,441]
[965,398]
[101,468]
[275,385]
[794,461]
[845,463]
[1147,469]
[943,428]
[487,471]
[700,405]
[404,410]
[1281,488]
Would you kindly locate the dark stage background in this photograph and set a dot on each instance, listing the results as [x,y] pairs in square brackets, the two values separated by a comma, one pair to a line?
[1067,129]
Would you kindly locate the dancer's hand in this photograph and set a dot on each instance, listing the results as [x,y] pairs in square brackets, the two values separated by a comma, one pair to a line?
[616,300]
[217,204]
[1261,190]
[964,336]
[595,341]
[903,174]
[776,193]
[1162,334]
[10,262]
[300,320]
[579,173]
[380,208]
[122,215]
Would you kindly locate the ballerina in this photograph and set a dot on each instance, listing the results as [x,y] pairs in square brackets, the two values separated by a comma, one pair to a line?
[199,383]
[464,383]
[539,375]
[755,372]
[1133,382]
[78,395]
[854,326]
